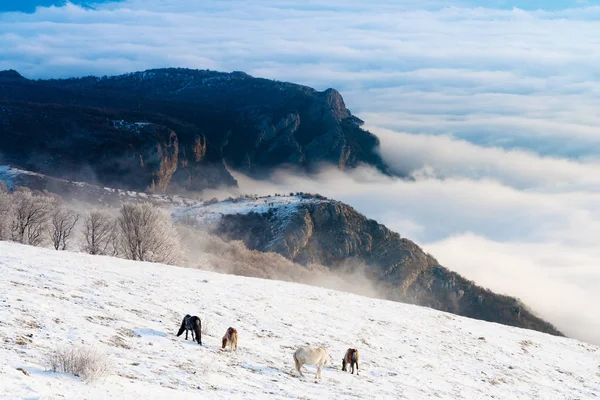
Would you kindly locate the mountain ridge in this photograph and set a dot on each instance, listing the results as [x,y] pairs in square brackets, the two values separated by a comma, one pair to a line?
[176,129]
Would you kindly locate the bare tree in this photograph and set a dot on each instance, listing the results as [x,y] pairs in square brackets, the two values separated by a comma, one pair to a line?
[115,238]
[5,214]
[147,234]
[30,217]
[98,233]
[62,222]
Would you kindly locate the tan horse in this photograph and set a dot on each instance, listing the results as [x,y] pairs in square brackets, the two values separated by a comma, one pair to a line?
[308,356]
[351,357]
[230,338]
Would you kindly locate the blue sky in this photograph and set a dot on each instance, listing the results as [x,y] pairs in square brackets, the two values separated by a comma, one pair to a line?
[493,110]
[30,5]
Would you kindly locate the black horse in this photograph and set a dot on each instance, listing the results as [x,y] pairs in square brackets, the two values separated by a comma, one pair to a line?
[193,324]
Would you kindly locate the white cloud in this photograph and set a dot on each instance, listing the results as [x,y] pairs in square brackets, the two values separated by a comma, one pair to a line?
[560,282]
[448,157]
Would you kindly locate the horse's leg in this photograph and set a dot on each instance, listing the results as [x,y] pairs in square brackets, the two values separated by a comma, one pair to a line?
[186,334]
[193,337]
[319,365]
[356,367]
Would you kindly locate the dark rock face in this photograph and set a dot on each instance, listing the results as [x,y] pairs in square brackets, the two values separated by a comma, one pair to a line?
[331,233]
[175,129]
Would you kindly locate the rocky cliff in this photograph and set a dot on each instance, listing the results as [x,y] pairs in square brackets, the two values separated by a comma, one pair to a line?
[175,129]
[313,230]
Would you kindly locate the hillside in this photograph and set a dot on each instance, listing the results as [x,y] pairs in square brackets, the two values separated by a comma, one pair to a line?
[82,192]
[169,130]
[310,229]
[131,311]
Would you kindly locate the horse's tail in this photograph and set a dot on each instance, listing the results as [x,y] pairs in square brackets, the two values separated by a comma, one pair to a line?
[198,328]
[235,339]
[297,363]
[182,326]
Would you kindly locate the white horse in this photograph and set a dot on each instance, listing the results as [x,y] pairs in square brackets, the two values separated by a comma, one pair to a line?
[308,356]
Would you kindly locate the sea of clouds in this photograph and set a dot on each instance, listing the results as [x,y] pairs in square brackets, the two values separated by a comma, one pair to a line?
[492,109]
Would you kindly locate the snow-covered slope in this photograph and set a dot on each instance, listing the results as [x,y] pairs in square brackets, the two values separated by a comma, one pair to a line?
[207,213]
[131,311]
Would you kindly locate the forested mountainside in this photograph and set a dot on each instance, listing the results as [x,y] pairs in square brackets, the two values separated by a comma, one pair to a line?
[168,130]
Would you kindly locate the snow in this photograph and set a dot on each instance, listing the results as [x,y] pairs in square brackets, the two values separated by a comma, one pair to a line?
[207,214]
[8,174]
[131,311]
[131,126]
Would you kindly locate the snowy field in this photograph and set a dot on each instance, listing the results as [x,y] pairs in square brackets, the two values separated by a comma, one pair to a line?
[131,312]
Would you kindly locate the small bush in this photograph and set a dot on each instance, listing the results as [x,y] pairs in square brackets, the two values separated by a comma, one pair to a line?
[85,363]
[205,330]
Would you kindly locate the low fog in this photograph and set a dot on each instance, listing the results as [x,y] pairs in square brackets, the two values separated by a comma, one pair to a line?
[204,250]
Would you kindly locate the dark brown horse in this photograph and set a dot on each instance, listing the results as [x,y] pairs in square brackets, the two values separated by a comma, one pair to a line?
[351,357]
[193,324]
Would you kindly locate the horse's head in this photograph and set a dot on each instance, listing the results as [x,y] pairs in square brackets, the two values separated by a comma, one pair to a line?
[343,364]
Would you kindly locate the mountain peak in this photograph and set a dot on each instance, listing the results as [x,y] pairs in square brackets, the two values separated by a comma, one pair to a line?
[11,75]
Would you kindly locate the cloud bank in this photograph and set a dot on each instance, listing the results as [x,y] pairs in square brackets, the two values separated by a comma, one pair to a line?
[492,106]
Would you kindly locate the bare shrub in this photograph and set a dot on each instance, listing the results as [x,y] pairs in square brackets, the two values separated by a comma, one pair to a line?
[205,330]
[62,222]
[99,231]
[30,216]
[83,362]
[147,233]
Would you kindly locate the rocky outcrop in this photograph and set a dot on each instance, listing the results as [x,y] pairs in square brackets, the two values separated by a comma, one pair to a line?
[163,160]
[333,234]
[211,119]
